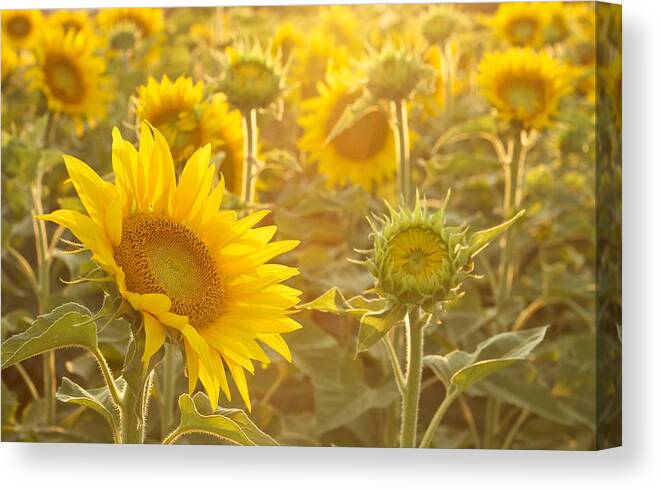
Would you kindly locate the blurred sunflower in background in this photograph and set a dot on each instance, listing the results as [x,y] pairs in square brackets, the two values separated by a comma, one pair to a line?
[312,60]
[188,121]
[363,154]
[20,28]
[75,20]
[128,28]
[519,23]
[196,273]
[286,39]
[557,27]
[341,24]
[70,76]
[523,85]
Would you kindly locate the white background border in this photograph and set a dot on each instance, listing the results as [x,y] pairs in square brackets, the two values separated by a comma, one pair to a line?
[636,465]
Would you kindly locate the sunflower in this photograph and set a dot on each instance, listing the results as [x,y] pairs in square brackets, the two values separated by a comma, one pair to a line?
[194,272]
[76,20]
[70,76]
[523,85]
[20,28]
[129,27]
[520,23]
[341,24]
[187,121]
[287,38]
[312,60]
[557,26]
[363,154]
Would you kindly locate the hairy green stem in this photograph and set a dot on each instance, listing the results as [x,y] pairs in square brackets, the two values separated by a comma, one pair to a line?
[404,183]
[415,342]
[248,177]
[438,417]
[168,389]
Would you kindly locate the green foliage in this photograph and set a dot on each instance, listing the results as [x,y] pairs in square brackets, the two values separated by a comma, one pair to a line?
[69,325]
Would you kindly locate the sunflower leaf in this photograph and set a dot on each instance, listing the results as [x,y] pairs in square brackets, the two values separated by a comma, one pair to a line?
[333,301]
[193,421]
[480,239]
[460,369]
[375,324]
[97,399]
[68,325]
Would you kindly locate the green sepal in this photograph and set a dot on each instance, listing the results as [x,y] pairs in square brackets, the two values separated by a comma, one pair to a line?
[480,239]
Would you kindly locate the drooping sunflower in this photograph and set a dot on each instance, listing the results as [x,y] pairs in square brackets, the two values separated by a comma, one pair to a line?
[20,28]
[363,154]
[520,23]
[523,85]
[312,60]
[187,121]
[127,28]
[195,273]
[70,76]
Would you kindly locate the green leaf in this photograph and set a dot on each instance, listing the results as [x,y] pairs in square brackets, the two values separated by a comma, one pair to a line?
[216,425]
[332,301]
[69,325]
[480,239]
[97,399]
[375,324]
[461,370]
[254,433]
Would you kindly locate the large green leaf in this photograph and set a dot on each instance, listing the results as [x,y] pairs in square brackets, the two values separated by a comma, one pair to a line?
[97,399]
[460,370]
[195,420]
[69,325]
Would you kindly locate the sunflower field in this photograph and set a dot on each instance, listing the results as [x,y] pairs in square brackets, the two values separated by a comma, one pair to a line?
[366,225]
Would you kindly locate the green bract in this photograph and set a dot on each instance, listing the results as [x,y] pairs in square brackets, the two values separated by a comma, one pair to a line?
[417,259]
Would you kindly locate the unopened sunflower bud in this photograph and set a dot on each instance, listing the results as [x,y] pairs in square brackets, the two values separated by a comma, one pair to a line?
[253,78]
[443,21]
[417,259]
[396,73]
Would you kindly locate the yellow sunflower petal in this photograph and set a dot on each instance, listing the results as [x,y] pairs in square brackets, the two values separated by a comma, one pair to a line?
[154,337]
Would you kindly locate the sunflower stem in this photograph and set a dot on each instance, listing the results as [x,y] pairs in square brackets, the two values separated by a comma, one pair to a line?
[248,179]
[415,325]
[404,183]
[168,388]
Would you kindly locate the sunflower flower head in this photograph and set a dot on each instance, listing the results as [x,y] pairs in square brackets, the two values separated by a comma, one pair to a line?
[128,29]
[70,76]
[523,85]
[20,28]
[443,21]
[557,26]
[196,274]
[10,61]
[312,60]
[417,259]
[362,153]
[520,23]
[253,78]
[188,120]
[75,20]
[397,72]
